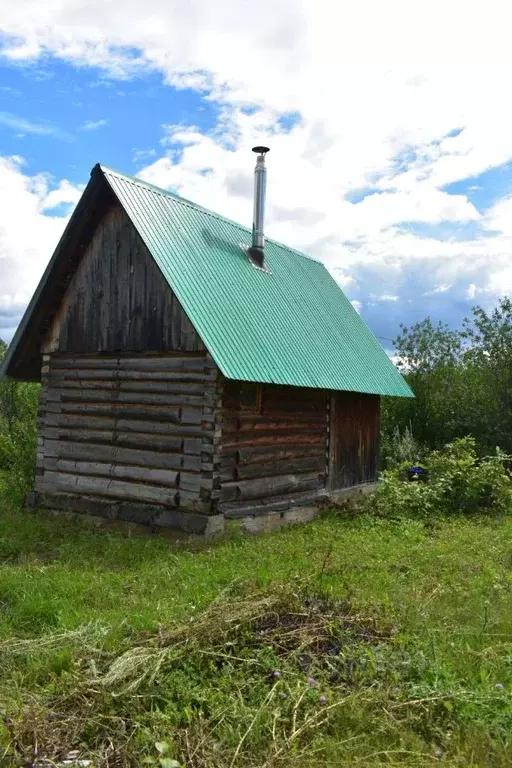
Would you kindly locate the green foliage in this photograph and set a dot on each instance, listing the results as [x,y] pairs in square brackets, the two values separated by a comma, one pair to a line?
[462,381]
[136,652]
[18,407]
[458,483]
[399,447]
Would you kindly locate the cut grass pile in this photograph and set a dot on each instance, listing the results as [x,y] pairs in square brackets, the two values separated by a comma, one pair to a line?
[349,641]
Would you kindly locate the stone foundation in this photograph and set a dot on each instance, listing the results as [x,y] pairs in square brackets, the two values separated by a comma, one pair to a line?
[146,519]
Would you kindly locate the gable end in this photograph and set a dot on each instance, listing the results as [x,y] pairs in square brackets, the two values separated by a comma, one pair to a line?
[118,299]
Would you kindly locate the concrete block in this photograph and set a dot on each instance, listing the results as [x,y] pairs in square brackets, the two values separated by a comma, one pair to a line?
[272,521]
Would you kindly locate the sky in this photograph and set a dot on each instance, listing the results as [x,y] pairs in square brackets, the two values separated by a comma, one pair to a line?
[389,124]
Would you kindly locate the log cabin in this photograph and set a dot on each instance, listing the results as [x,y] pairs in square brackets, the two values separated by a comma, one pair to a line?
[193,371]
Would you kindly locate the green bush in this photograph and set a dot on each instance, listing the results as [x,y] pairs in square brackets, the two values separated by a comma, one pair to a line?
[18,407]
[457,482]
[462,381]
[398,447]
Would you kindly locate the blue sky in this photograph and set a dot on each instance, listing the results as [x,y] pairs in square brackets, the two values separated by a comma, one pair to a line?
[394,168]
[77,117]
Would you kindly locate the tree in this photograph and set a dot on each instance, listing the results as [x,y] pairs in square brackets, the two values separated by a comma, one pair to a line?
[462,381]
[489,352]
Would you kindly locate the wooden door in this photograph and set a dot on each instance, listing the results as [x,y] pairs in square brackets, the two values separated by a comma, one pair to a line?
[353,439]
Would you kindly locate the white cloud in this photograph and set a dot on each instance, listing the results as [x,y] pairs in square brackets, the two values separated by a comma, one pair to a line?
[142,155]
[439,289]
[93,125]
[28,233]
[23,126]
[399,98]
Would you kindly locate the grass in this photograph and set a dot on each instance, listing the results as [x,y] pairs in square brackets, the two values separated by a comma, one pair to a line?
[133,651]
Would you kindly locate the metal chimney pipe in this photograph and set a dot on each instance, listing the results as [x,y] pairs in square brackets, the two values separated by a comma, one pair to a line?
[258,219]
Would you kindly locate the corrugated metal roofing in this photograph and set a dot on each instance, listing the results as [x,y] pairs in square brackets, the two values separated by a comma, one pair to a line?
[291,325]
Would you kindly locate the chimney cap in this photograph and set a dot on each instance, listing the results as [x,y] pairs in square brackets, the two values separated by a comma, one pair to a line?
[261,150]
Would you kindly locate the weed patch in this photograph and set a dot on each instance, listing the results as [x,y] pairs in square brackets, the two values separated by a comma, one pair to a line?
[354,640]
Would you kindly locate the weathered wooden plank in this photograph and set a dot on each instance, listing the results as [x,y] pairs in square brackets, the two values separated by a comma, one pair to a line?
[160,413]
[80,374]
[189,481]
[193,415]
[120,425]
[128,440]
[317,437]
[103,486]
[63,449]
[260,454]
[113,394]
[142,514]
[269,486]
[163,477]
[192,446]
[262,507]
[282,425]
[178,386]
[139,363]
[304,465]
[189,500]
[191,462]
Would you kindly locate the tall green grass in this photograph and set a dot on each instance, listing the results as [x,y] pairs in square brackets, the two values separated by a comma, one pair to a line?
[134,651]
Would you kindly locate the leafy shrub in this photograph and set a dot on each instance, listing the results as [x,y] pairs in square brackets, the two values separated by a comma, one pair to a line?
[399,447]
[458,482]
[18,407]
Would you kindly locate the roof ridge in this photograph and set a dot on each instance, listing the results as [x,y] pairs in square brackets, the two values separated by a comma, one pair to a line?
[190,203]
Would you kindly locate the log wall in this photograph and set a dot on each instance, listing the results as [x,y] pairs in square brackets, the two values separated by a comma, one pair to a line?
[275,457]
[130,437]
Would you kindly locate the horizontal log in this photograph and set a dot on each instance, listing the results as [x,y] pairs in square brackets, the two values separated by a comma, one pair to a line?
[63,449]
[191,415]
[272,439]
[189,500]
[120,425]
[114,410]
[190,482]
[103,486]
[80,374]
[191,462]
[119,385]
[140,362]
[193,446]
[269,486]
[109,437]
[102,395]
[164,477]
[260,454]
[128,511]
[281,425]
[280,504]
[159,413]
[296,466]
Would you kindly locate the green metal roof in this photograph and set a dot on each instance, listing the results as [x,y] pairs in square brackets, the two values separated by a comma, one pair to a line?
[290,325]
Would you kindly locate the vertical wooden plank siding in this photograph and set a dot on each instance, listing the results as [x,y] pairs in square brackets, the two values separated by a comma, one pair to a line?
[275,456]
[354,439]
[118,300]
[118,432]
